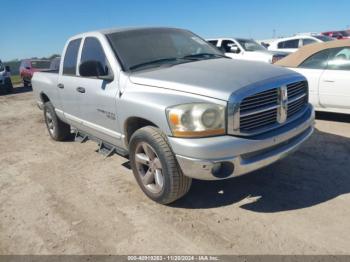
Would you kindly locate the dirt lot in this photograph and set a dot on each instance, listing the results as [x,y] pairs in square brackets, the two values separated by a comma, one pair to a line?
[64,198]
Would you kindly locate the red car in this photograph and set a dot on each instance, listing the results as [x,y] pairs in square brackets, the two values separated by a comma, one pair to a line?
[29,66]
[338,34]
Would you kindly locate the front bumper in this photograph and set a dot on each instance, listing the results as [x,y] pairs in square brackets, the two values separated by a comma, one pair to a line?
[229,156]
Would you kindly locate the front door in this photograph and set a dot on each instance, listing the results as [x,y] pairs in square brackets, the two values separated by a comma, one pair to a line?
[313,68]
[335,81]
[97,97]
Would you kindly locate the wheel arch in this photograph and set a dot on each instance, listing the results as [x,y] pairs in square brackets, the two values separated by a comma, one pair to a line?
[132,124]
[44,98]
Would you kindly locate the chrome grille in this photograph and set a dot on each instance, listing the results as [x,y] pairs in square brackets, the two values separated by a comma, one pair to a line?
[259,110]
[260,100]
[269,109]
[297,97]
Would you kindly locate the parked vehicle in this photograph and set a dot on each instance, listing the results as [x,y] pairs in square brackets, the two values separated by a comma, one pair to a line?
[29,66]
[5,78]
[337,34]
[292,44]
[327,68]
[55,64]
[175,104]
[245,49]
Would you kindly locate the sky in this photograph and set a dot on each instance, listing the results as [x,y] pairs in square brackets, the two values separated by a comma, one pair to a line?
[38,28]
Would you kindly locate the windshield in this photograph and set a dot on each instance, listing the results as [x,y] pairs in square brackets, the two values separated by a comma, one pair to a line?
[41,64]
[324,38]
[152,47]
[250,45]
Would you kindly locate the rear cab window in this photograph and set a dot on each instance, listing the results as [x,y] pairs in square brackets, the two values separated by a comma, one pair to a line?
[71,58]
[41,64]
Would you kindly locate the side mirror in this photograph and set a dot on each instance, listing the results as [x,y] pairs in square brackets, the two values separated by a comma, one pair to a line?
[7,68]
[93,68]
[234,49]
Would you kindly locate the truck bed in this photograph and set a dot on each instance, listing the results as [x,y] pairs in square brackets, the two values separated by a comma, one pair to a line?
[45,82]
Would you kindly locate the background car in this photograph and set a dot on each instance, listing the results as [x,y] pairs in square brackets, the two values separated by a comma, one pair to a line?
[5,78]
[292,44]
[327,69]
[29,66]
[245,49]
[55,64]
[338,34]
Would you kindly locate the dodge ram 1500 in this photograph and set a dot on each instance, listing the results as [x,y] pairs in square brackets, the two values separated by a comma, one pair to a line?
[175,105]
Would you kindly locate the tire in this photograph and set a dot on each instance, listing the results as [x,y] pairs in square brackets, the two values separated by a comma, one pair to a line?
[168,183]
[58,130]
[25,83]
[9,86]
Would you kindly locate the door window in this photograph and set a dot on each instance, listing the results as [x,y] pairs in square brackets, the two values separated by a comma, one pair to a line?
[316,61]
[339,59]
[213,42]
[71,57]
[289,44]
[227,45]
[308,41]
[93,51]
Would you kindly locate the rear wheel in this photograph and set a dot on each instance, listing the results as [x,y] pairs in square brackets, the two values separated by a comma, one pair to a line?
[155,167]
[58,130]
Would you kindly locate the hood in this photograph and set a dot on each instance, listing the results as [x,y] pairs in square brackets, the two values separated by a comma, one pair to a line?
[216,78]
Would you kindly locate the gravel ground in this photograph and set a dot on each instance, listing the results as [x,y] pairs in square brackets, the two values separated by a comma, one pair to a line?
[64,198]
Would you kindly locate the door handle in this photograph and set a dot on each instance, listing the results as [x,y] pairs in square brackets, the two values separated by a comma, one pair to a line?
[328,81]
[60,86]
[81,89]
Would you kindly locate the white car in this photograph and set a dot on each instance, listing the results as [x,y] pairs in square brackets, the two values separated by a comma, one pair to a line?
[292,44]
[327,69]
[245,49]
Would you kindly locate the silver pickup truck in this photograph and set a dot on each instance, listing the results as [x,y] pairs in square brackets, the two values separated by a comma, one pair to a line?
[175,105]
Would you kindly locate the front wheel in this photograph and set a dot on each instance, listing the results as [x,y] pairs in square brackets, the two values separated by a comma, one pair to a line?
[155,167]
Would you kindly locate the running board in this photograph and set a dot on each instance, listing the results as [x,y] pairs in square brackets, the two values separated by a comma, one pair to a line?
[80,137]
[104,148]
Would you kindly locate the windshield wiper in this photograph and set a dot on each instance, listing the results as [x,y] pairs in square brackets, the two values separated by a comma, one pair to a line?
[157,61]
[204,55]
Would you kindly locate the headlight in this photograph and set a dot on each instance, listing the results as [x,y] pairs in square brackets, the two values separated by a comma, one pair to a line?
[197,120]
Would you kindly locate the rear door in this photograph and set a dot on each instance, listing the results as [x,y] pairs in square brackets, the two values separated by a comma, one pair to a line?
[68,81]
[335,81]
[98,97]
